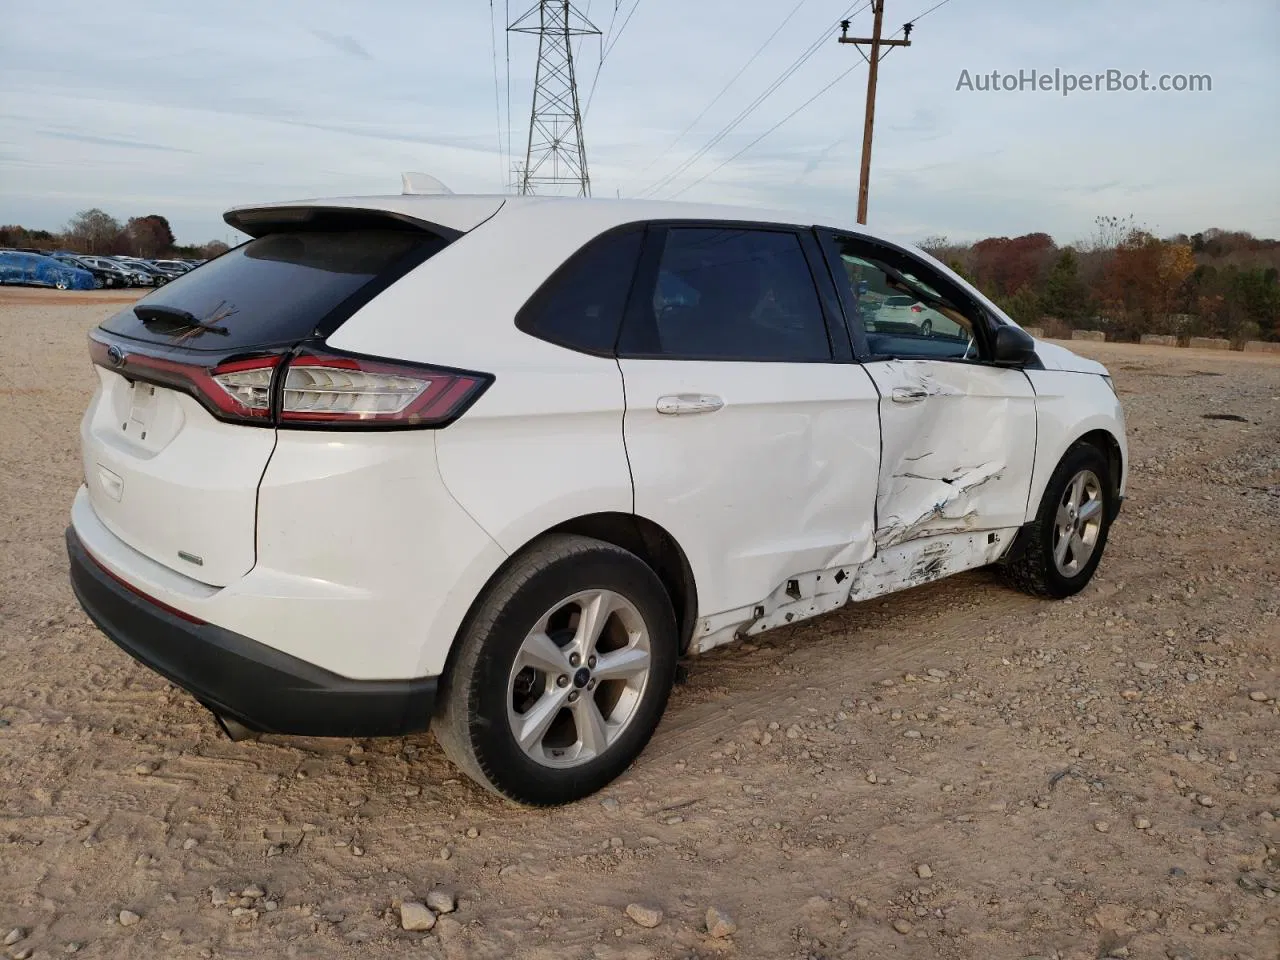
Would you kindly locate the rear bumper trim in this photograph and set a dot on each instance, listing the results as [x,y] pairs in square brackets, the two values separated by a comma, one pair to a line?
[261,687]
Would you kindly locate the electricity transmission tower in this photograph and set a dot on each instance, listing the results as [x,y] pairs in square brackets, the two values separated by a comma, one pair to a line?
[556,156]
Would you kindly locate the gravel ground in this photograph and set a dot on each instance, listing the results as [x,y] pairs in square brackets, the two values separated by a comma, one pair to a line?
[958,771]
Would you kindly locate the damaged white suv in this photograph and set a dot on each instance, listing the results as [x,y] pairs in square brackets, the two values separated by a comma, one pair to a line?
[493,465]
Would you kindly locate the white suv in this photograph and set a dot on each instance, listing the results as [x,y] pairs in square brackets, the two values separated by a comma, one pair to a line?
[496,464]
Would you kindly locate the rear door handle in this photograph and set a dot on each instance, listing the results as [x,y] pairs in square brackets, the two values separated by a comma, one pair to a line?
[683,404]
[908,394]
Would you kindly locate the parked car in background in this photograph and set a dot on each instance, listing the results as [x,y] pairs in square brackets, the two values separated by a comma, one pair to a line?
[31,269]
[148,275]
[908,311]
[494,464]
[124,277]
[172,267]
[102,278]
[167,270]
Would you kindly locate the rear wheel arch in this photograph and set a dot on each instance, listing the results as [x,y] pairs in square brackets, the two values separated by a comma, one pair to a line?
[647,540]
[657,548]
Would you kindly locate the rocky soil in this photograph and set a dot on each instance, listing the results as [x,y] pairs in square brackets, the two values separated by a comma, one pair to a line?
[958,771]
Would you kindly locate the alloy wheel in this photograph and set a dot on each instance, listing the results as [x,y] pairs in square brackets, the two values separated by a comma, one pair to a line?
[578,678]
[1078,523]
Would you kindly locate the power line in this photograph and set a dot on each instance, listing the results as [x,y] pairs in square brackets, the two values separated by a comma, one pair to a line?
[921,16]
[606,47]
[497,97]
[603,40]
[723,90]
[507,35]
[725,163]
[797,110]
[796,64]
[622,29]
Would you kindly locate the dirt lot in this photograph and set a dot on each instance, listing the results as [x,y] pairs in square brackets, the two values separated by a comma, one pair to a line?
[958,771]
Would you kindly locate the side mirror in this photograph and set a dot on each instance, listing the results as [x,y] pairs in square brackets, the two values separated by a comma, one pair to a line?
[1014,345]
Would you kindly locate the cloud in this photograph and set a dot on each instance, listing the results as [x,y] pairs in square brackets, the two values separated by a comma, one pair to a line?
[189,114]
[343,43]
[110,141]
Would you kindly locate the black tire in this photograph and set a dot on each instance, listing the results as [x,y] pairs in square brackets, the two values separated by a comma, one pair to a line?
[471,721]
[926,328]
[1030,565]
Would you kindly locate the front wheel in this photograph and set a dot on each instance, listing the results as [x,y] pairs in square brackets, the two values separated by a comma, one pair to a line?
[1056,555]
[563,672]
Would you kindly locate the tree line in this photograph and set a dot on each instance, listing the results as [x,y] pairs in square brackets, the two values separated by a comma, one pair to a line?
[96,232]
[1126,281]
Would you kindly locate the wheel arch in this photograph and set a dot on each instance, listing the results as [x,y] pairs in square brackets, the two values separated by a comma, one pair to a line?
[647,540]
[1109,445]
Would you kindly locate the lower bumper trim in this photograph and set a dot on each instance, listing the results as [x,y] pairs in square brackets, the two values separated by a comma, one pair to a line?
[263,688]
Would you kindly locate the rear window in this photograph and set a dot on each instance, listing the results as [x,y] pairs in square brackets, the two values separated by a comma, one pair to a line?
[280,288]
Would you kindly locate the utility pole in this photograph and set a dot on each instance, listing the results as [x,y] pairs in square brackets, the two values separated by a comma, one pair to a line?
[556,155]
[875,41]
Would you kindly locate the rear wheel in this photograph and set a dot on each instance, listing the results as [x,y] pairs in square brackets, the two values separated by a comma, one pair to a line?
[62,284]
[563,672]
[926,328]
[1057,554]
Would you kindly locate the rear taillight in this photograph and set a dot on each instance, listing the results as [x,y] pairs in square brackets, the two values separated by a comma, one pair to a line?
[916,308]
[243,387]
[220,387]
[306,388]
[332,389]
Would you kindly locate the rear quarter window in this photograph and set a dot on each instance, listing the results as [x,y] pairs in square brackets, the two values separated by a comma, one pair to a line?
[281,288]
[581,304]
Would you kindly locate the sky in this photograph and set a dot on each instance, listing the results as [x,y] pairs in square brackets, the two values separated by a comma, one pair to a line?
[144,106]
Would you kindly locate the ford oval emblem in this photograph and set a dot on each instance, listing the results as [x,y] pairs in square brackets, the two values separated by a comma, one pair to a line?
[116,356]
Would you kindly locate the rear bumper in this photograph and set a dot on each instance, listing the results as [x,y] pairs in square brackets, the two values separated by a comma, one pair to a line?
[261,687]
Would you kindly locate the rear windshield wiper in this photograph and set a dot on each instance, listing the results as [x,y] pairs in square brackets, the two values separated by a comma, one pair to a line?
[149,311]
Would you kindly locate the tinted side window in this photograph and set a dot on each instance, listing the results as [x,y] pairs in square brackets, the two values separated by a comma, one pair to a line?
[730,294]
[581,306]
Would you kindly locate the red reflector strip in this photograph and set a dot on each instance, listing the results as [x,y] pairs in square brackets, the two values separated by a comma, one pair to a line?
[144,596]
[193,378]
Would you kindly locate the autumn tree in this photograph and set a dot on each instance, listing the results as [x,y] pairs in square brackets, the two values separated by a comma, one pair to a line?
[149,236]
[1144,281]
[93,231]
[1110,231]
[1024,305]
[1065,295]
[1238,303]
[1005,266]
[12,235]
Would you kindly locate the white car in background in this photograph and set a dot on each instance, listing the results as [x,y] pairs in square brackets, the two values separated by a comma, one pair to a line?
[909,311]
[493,465]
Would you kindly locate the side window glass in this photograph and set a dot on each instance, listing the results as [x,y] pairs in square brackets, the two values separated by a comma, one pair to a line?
[581,307]
[731,294]
[901,314]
